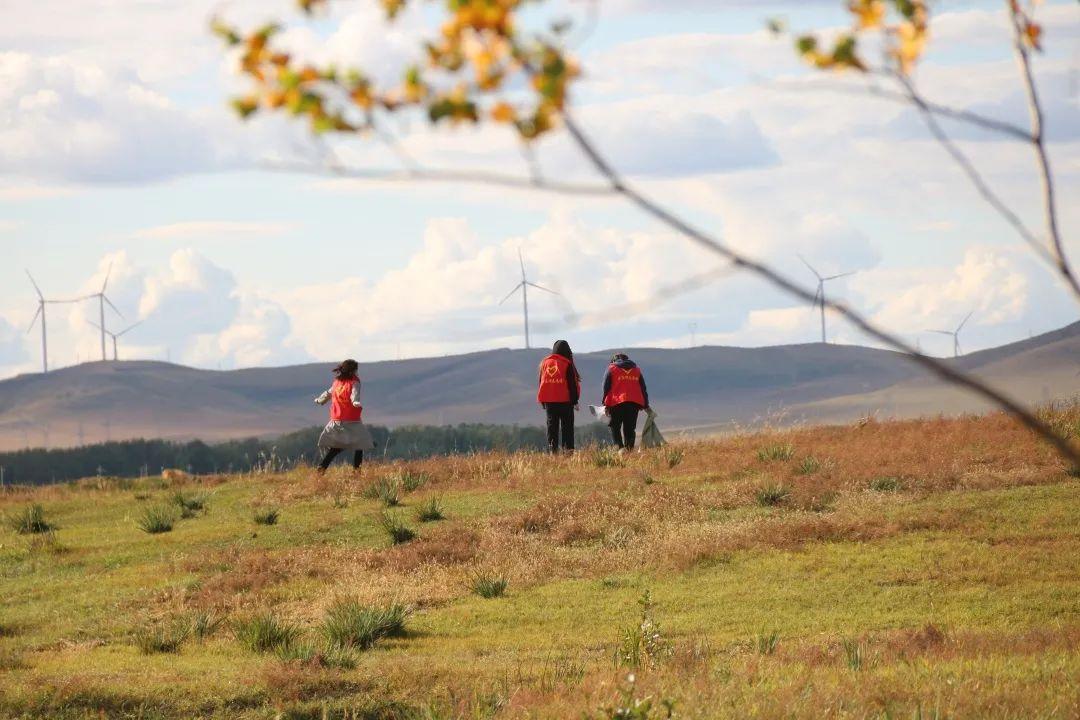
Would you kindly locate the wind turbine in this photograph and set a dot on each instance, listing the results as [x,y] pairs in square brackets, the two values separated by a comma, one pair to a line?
[102,299]
[524,286]
[819,296]
[955,334]
[42,302]
[114,336]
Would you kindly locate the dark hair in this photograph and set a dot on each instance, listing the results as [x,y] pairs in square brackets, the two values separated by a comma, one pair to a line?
[561,347]
[619,356]
[347,369]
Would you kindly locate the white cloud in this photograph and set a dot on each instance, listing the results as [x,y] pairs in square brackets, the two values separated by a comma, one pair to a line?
[12,344]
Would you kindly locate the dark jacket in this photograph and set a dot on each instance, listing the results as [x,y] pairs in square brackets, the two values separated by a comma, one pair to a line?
[563,348]
[625,364]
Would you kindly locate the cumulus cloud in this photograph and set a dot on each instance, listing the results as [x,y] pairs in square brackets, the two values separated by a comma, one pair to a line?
[12,344]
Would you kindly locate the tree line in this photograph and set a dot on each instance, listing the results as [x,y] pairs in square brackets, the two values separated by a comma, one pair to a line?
[135,458]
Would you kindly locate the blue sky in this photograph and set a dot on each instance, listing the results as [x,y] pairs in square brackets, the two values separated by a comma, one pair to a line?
[116,147]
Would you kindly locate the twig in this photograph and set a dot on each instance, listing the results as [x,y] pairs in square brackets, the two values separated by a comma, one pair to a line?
[1038,139]
[934,365]
[973,174]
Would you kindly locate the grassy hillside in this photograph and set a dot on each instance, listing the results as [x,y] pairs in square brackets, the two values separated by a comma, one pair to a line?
[881,570]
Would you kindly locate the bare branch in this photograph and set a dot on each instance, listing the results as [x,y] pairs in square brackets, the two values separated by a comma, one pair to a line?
[1038,141]
[934,365]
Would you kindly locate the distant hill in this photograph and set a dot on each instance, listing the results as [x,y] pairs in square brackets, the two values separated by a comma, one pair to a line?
[706,388]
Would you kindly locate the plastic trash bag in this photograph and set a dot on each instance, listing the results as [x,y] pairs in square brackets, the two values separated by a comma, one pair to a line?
[650,433]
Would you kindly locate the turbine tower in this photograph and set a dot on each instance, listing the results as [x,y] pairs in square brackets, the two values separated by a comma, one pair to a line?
[102,299]
[524,286]
[819,297]
[42,302]
[955,334]
[116,335]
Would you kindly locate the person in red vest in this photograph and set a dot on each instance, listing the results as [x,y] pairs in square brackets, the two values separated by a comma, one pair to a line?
[346,430]
[625,395]
[559,392]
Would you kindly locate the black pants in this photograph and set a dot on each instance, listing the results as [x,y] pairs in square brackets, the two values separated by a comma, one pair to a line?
[623,424]
[357,458]
[560,425]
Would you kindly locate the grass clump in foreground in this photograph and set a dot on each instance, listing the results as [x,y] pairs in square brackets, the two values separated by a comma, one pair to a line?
[489,586]
[643,645]
[351,624]
[430,510]
[386,490]
[161,638]
[29,520]
[329,656]
[265,633]
[157,519]
[396,528]
[771,495]
[886,484]
[190,503]
[779,451]
[266,516]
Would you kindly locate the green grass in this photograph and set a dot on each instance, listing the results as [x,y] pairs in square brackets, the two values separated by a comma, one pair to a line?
[386,490]
[994,567]
[395,528]
[489,586]
[351,624]
[430,510]
[808,466]
[771,495]
[157,519]
[28,520]
[161,638]
[775,452]
[266,516]
[886,484]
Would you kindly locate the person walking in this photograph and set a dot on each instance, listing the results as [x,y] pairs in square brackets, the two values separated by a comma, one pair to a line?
[559,392]
[346,430]
[625,395]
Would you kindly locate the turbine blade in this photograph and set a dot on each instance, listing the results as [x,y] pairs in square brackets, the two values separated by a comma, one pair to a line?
[961,327]
[115,309]
[541,287]
[817,296]
[33,320]
[950,333]
[521,261]
[107,274]
[841,275]
[32,282]
[516,288]
[128,329]
[809,266]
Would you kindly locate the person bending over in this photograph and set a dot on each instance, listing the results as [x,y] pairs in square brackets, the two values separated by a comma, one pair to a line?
[559,392]
[346,430]
[625,395]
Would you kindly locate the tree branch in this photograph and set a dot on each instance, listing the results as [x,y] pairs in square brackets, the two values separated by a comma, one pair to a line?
[934,365]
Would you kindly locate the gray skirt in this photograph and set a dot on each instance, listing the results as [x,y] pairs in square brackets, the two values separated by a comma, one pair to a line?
[346,436]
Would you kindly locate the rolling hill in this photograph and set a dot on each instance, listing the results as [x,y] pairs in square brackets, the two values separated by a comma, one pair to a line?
[703,389]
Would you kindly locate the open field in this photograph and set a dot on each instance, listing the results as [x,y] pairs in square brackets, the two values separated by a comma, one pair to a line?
[920,569]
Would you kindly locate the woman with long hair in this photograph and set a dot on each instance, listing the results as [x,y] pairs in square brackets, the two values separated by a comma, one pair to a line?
[559,392]
[346,430]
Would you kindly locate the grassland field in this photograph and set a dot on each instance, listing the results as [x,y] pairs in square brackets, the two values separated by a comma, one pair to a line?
[921,569]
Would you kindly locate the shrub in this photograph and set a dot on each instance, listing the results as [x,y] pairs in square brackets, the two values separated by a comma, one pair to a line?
[190,503]
[265,633]
[204,623]
[886,484]
[673,456]
[770,495]
[769,453]
[489,586]
[161,639]
[396,528]
[430,510]
[386,490]
[853,652]
[767,642]
[30,519]
[808,466]
[350,624]
[266,516]
[607,456]
[157,519]
[642,644]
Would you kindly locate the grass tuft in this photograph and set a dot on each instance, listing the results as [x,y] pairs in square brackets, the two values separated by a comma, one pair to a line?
[808,466]
[430,510]
[608,457]
[157,519]
[412,480]
[329,656]
[160,639]
[265,633]
[396,528]
[47,544]
[489,586]
[767,642]
[886,484]
[190,503]
[266,516]
[673,456]
[770,453]
[30,519]
[853,653]
[349,624]
[386,490]
[643,645]
[771,495]
[204,623]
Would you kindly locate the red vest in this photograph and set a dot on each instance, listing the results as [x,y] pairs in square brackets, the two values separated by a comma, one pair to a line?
[625,387]
[554,380]
[341,407]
